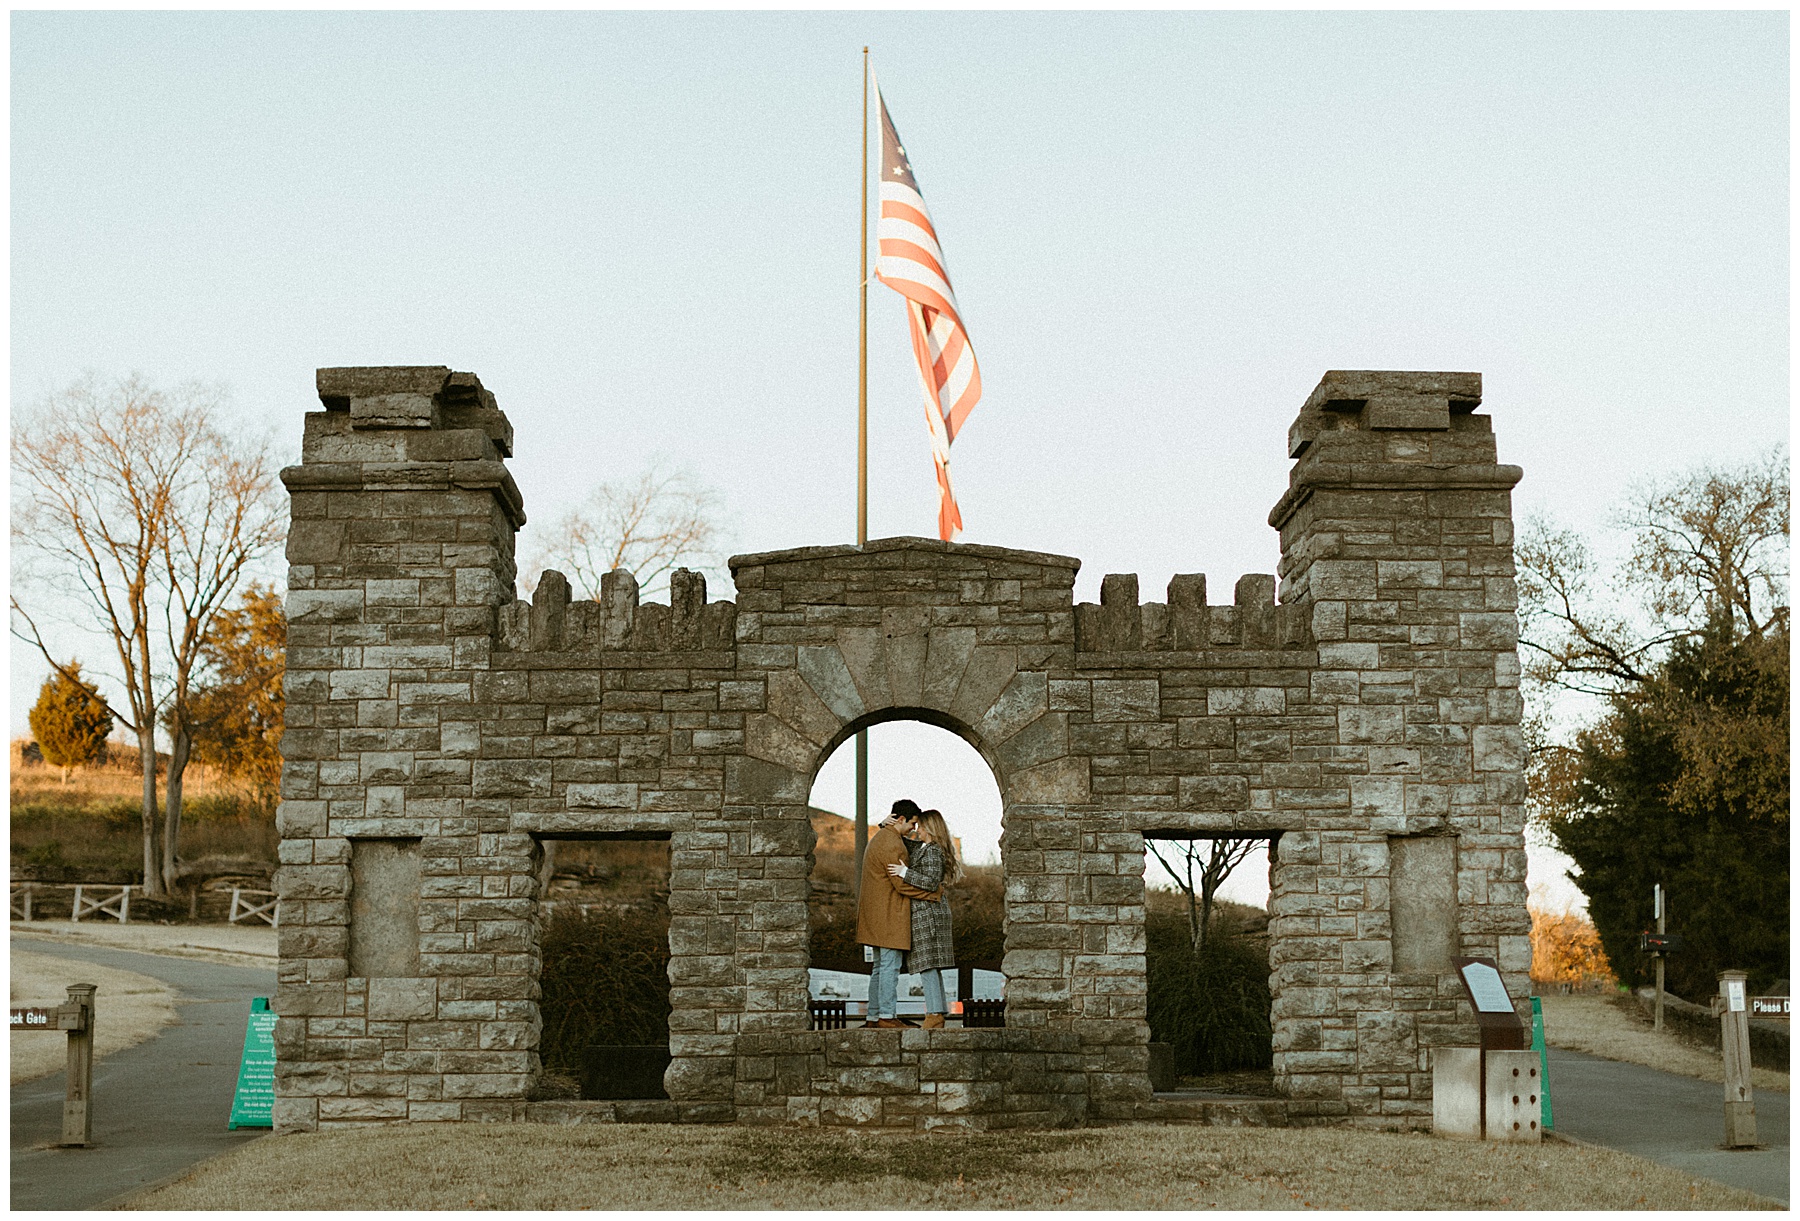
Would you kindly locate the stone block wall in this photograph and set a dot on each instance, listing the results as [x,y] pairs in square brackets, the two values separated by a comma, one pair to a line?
[400,550]
[928,1080]
[440,730]
[1397,535]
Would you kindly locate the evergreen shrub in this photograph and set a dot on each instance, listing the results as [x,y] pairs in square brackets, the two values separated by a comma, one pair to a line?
[605,980]
[1211,1007]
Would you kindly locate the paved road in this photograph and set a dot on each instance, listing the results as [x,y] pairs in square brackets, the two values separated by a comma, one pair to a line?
[1677,1121]
[159,1107]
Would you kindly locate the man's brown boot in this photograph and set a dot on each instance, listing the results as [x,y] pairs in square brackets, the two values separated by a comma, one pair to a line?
[933,1021]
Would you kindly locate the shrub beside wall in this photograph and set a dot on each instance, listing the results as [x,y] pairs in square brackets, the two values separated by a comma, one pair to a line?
[605,980]
[1211,1007]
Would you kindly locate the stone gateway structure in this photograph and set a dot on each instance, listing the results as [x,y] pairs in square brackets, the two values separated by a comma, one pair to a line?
[439,730]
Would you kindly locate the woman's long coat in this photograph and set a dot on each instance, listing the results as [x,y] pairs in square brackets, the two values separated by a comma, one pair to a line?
[932,949]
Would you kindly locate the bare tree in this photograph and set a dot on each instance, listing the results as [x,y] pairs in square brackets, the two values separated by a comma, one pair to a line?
[1713,547]
[649,525]
[228,514]
[139,507]
[1215,859]
[1710,546]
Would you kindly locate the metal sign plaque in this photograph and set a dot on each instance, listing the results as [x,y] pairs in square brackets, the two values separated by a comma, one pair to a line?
[1769,1006]
[1486,989]
[1734,995]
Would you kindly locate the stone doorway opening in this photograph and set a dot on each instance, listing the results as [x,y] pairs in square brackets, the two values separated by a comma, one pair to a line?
[936,767]
[1207,962]
[604,940]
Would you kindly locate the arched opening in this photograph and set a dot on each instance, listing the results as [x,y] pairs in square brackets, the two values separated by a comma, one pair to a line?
[604,976]
[1206,960]
[936,767]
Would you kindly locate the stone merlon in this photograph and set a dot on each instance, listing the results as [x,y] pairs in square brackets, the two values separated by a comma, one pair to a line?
[403,427]
[1367,429]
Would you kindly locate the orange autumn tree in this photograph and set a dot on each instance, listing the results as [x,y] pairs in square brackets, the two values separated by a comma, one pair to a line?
[1565,949]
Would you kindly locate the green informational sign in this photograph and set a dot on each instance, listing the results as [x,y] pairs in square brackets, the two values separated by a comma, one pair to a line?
[254,1104]
[1538,1045]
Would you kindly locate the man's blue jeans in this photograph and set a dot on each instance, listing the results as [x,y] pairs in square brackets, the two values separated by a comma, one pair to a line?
[884,982]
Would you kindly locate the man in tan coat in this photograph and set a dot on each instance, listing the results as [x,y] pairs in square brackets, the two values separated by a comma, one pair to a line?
[884,912]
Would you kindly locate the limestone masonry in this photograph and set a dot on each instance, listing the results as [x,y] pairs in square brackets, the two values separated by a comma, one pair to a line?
[439,730]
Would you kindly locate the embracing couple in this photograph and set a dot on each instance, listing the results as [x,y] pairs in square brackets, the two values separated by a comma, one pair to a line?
[903,912]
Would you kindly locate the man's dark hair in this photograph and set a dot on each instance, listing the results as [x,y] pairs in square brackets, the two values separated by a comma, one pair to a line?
[906,807]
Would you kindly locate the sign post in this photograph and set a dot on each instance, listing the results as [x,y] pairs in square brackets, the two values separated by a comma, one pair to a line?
[1661,928]
[1493,1091]
[76,1017]
[78,1110]
[253,1105]
[1734,1041]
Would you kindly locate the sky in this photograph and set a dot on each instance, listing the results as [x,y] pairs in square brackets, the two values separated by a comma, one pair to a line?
[640,231]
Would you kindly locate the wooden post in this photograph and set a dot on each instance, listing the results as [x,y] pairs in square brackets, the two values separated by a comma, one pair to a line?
[1734,1041]
[78,1111]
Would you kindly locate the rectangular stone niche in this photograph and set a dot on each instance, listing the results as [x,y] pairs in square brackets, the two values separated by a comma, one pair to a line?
[1422,892]
[384,907]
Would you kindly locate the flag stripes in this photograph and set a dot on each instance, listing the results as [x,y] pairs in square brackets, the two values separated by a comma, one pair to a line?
[911,262]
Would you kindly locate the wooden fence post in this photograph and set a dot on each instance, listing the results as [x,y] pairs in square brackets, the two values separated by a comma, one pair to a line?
[1734,1042]
[78,1111]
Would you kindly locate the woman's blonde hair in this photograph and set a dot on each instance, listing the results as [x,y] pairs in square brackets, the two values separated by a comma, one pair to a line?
[932,824]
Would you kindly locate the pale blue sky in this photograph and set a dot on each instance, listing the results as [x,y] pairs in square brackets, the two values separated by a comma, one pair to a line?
[640,231]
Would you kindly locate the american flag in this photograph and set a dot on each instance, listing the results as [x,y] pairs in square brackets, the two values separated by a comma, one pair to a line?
[912,264]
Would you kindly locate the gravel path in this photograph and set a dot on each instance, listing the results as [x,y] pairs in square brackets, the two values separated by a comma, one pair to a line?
[243,944]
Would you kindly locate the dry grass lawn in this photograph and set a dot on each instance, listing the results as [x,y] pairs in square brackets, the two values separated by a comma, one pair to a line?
[129,1008]
[115,779]
[1617,1030]
[530,1166]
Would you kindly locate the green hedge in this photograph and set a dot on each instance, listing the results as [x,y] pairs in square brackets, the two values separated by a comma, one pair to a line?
[1211,1007]
[605,980]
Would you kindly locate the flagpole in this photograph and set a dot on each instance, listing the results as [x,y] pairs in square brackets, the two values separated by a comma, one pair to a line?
[862,461]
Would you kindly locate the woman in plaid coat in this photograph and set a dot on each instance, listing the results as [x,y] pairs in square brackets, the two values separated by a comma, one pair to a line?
[933,865]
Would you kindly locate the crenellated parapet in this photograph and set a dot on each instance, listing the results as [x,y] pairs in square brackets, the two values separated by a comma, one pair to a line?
[1185,623]
[552,622]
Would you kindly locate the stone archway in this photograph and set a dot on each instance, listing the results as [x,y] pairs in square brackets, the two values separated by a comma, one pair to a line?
[438,729]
